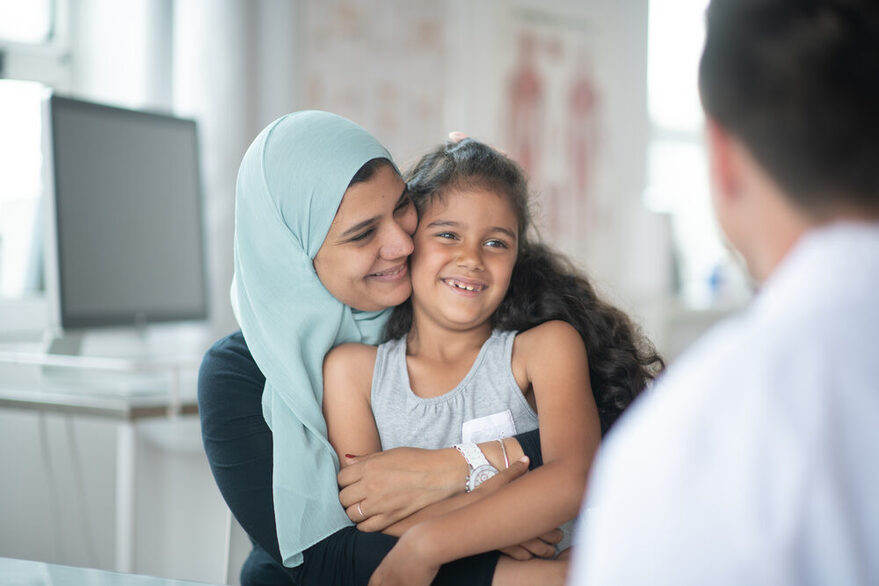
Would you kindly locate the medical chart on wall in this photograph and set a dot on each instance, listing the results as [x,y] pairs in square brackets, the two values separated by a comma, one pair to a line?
[381,64]
[552,112]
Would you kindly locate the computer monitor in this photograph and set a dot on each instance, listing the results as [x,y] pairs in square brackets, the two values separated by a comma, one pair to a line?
[125,238]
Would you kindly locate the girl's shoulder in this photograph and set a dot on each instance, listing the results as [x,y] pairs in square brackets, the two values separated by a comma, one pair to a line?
[350,360]
[545,346]
[550,334]
[351,352]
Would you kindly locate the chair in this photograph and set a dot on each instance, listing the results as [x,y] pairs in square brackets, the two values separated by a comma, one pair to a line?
[238,547]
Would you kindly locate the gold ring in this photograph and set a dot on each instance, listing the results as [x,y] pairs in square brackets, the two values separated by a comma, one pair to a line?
[359,510]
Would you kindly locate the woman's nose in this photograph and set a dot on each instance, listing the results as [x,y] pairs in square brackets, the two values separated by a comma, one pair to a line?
[398,243]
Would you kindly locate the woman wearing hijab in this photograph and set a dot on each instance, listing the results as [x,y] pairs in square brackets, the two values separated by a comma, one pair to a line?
[322,237]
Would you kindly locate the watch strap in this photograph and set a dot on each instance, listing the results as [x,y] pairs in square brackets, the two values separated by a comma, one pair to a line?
[480,468]
[474,456]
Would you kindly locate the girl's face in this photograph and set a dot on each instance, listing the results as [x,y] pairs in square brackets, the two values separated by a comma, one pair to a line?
[465,249]
[363,260]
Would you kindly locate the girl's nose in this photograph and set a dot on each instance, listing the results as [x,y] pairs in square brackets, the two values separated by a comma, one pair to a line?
[470,257]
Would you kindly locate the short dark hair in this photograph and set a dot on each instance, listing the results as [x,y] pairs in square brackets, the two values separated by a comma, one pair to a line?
[797,81]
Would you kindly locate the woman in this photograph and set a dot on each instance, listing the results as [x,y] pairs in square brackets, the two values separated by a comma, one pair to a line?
[313,269]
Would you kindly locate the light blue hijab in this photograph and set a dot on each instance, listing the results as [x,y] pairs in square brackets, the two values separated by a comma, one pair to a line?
[290,185]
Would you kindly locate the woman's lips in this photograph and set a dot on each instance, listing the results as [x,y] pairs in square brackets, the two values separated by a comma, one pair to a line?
[391,274]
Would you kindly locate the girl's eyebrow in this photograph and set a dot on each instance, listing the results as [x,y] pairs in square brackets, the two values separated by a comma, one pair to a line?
[506,231]
[443,223]
[366,223]
[453,224]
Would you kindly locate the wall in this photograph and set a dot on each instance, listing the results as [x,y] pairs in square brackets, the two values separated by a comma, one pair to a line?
[621,245]
[236,66]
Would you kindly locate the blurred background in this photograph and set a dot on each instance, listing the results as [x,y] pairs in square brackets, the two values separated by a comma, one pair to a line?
[597,100]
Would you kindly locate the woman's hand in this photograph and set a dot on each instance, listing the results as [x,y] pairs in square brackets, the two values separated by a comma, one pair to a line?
[392,485]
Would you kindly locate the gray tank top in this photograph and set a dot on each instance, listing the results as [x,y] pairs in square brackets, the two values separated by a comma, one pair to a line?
[486,405]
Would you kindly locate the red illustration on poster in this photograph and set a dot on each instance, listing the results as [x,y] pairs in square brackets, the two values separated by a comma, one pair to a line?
[581,126]
[526,106]
[552,119]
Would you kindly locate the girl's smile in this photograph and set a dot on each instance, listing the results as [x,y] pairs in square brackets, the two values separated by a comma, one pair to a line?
[465,286]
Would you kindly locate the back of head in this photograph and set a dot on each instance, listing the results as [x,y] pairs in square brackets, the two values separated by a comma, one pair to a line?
[797,81]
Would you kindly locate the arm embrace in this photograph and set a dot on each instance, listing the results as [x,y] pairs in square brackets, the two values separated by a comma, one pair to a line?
[553,359]
[394,485]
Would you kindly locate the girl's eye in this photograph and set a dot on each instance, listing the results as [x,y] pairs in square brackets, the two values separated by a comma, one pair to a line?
[448,235]
[496,244]
[362,236]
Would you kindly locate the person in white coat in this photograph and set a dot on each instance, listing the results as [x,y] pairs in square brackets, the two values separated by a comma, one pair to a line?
[755,459]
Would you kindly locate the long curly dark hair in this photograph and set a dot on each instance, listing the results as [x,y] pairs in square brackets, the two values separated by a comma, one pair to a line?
[544,285]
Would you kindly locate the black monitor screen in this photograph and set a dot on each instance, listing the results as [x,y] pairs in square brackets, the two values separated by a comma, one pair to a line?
[128,216]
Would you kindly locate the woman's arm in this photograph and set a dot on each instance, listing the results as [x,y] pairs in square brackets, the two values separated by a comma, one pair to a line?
[238,445]
[402,481]
[462,499]
[556,364]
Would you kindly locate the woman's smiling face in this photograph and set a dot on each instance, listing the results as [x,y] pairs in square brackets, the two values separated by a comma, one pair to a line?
[363,260]
[465,249]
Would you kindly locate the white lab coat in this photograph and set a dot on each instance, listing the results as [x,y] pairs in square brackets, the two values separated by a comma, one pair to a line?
[755,459]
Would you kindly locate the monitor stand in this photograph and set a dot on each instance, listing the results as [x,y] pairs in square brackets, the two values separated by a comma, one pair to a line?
[101,362]
[115,343]
[66,344]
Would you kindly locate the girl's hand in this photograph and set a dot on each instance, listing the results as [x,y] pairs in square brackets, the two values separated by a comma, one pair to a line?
[409,563]
[392,485]
[542,546]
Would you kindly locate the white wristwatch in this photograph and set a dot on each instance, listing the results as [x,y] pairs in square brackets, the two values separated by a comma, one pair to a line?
[480,468]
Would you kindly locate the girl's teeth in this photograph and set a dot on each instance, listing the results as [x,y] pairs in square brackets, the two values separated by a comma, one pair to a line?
[465,287]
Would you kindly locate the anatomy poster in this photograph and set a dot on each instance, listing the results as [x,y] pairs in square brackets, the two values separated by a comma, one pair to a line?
[380,63]
[552,117]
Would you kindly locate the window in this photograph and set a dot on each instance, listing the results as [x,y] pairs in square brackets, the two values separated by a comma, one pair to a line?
[20,160]
[34,49]
[677,180]
[28,22]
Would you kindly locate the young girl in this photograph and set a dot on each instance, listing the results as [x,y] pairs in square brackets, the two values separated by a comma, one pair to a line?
[500,334]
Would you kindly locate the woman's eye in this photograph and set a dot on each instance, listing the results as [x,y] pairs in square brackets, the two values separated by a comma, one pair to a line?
[403,204]
[362,236]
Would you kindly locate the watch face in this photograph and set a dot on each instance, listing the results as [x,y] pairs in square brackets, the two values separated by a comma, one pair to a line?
[480,474]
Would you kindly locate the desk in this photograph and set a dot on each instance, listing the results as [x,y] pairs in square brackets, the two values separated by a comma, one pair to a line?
[25,384]
[26,573]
